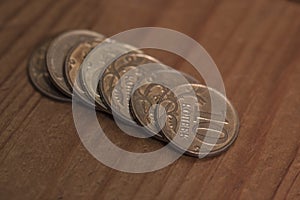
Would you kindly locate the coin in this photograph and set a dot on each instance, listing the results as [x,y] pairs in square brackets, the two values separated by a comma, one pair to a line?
[146,96]
[39,76]
[74,59]
[115,89]
[94,64]
[57,53]
[208,134]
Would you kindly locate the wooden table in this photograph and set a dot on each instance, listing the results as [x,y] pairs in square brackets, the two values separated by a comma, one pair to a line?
[256,45]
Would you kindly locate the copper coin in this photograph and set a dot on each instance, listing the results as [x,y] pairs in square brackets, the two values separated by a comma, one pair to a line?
[145,97]
[58,51]
[72,67]
[206,133]
[118,97]
[94,64]
[39,76]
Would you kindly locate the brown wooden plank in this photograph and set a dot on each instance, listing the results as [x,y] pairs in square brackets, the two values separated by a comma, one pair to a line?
[256,46]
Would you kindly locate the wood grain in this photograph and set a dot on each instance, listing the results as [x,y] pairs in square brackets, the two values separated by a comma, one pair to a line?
[256,46]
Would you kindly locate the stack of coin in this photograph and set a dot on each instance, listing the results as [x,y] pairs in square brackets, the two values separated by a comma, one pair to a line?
[120,79]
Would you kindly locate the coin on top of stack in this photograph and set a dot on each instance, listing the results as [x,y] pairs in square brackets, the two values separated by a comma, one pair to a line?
[209,133]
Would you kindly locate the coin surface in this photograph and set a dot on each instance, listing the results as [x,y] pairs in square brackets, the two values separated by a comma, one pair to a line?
[94,64]
[115,89]
[39,76]
[209,134]
[72,67]
[145,97]
[58,51]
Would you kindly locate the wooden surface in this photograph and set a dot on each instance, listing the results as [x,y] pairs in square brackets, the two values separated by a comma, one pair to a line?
[256,45]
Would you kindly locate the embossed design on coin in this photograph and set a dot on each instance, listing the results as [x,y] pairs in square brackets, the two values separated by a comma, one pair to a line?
[145,97]
[113,75]
[57,53]
[39,75]
[96,61]
[72,67]
[181,119]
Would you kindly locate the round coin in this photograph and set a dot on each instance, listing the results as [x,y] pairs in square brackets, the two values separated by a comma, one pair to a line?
[94,64]
[145,97]
[115,89]
[58,51]
[208,132]
[39,76]
[72,67]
